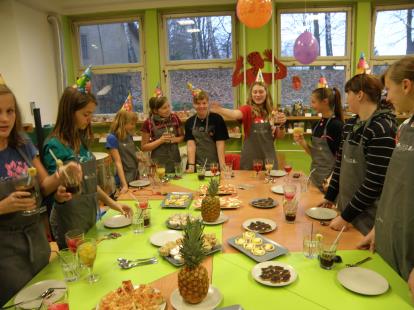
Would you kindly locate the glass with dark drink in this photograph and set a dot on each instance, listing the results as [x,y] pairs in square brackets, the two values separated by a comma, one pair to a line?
[26,183]
[289,209]
[201,173]
[327,253]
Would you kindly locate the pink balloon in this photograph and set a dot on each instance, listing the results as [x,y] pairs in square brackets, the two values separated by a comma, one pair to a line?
[306,48]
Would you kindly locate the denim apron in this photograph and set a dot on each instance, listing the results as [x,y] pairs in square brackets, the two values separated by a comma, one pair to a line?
[205,145]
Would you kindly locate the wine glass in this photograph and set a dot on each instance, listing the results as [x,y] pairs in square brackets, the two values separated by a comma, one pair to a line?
[298,129]
[214,168]
[257,166]
[160,171]
[269,165]
[289,191]
[73,238]
[87,255]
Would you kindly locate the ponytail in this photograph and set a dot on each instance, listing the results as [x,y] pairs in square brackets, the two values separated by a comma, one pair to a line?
[337,104]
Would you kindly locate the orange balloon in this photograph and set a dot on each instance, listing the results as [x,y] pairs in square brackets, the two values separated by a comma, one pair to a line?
[254,13]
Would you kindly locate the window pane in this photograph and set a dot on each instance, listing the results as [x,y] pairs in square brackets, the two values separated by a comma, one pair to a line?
[379,69]
[335,76]
[216,82]
[392,36]
[106,44]
[121,84]
[329,28]
[204,37]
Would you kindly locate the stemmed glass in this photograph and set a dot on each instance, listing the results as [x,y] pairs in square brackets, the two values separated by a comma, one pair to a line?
[87,254]
[73,238]
[257,166]
[214,168]
[269,165]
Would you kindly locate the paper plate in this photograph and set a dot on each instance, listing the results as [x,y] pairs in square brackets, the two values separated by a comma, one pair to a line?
[117,221]
[221,219]
[324,214]
[212,300]
[277,173]
[277,189]
[267,221]
[257,271]
[162,237]
[37,289]
[363,281]
[139,183]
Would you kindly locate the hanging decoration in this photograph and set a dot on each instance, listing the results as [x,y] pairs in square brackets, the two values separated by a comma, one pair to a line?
[257,62]
[2,81]
[296,82]
[306,48]
[157,91]
[83,84]
[322,83]
[254,13]
[362,66]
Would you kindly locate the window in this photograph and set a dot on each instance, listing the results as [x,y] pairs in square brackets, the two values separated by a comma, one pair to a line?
[331,27]
[113,48]
[199,49]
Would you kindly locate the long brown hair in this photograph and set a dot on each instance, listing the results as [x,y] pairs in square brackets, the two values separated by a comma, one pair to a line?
[266,108]
[368,84]
[15,139]
[122,118]
[71,101]
[334,99]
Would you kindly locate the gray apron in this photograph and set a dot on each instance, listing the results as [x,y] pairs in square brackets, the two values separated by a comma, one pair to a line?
[258,145]
[81,211]
[352,175]
[166,153]
[24,247]
[394,223]
[127,152]
[322,159]
[205,145]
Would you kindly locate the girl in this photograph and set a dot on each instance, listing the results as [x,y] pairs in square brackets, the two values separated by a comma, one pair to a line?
[23,244]
[259,130]
[393,232]
[122,148]
[205,134]
[68,142]
[363,156]
[326,135]
[161,134]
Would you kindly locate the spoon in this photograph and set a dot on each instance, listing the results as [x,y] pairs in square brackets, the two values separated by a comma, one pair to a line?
[128,265]
[42,296]
[121,259]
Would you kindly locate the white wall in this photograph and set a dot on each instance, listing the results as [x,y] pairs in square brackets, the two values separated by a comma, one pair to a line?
[27,59]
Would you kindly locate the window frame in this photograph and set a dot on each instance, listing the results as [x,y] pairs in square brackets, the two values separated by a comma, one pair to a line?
[113,68]
[196,64]
[377,60]
[345,60]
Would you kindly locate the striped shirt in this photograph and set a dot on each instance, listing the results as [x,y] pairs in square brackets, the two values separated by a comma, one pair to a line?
[379,142]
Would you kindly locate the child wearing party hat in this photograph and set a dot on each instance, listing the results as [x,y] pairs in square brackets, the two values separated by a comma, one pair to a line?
[162,133]
[261,125]
[121,145]
[67,142]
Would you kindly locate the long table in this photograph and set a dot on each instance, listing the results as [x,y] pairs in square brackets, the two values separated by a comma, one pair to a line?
[230,270]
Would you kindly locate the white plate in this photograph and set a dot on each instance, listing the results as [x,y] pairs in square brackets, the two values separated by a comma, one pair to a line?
[161,307]
[117,221]
[257,271]
[212,300]
[277,189]
[324,214]
[36,290]
[139,183]
[221,219]
[208,173]
[162,237]
[277,173]
[363,281]
[267,221]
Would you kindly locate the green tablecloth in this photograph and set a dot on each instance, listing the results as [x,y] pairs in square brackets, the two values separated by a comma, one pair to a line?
[315,288]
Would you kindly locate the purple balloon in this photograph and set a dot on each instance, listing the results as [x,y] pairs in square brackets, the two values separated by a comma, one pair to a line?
[306,48]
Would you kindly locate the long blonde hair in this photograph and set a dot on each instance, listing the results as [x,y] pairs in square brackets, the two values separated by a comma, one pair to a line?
[265,109]
[122,118]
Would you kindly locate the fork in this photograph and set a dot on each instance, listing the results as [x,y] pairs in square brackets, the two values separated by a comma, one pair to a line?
[132,265]
[135,260]
[359,262]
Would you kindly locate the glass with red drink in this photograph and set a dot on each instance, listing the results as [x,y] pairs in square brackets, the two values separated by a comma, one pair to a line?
[214,168]
[257,166]
[73,238]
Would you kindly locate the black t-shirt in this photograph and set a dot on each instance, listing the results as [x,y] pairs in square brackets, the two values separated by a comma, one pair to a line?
[333,132]
[217,128]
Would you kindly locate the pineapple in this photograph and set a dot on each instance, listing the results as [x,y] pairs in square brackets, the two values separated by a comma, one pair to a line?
[210,205]
[193,279]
